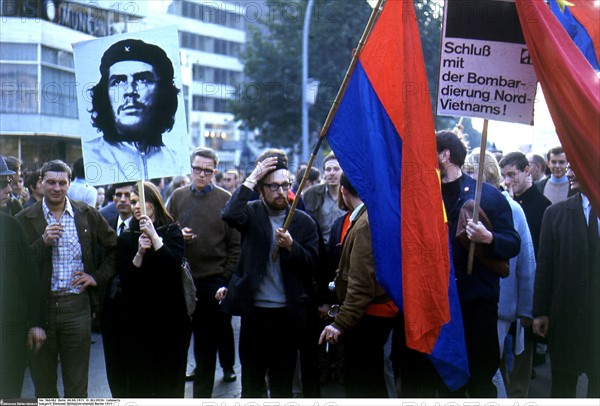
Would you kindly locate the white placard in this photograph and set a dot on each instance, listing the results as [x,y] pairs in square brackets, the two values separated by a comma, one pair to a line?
[485,68]
[134,127]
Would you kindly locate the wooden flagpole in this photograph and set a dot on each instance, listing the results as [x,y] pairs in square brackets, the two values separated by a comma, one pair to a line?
[142,196]
[478,192]
[331,115]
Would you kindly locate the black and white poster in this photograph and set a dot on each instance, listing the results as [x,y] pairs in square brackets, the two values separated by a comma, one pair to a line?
[131,107]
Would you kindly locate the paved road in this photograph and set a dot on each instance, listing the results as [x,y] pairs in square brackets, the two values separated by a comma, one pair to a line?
[98,385]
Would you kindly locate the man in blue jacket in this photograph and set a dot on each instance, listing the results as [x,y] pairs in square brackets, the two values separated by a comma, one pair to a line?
[479,291]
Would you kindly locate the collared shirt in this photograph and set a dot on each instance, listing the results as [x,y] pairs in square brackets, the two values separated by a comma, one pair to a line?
[327,214]
[66,251]
[207,189]
[355,212]
[587,206]
[121,221]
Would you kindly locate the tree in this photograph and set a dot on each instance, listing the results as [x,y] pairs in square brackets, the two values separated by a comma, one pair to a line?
[270,100]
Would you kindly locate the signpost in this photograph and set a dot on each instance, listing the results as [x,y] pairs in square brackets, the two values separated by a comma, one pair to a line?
[485,71]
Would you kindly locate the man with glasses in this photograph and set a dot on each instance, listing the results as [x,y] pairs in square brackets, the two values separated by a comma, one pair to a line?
[268,291]
[10,200]
[212,250]
[321,200]
[21,309]
[5,186]
[231,180]
[537,165]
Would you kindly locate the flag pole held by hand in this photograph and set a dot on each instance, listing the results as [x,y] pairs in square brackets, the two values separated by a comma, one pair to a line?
[478,192]
[332,111]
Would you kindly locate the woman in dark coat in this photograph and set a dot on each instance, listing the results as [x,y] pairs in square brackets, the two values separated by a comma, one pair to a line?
[157,329]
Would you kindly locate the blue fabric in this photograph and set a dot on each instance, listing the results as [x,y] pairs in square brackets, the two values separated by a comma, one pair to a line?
[577,32]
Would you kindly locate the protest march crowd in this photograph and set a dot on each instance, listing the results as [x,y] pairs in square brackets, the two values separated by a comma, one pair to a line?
[77,257]
[149,264]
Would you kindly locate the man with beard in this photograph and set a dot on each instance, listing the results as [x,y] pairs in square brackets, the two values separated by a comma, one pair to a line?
[133,105]
[269,295]
[566,302]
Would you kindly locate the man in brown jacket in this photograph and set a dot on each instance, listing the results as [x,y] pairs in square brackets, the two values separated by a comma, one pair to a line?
[65,236]
[365,318]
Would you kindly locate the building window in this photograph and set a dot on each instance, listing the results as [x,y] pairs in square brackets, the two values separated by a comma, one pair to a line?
[59,93]
[57,57]
[197,42]
[19,88]
[18,52]
[210,104]
[213,13]
[22,91]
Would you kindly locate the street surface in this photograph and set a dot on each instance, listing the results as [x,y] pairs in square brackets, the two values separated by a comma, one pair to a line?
[98,385]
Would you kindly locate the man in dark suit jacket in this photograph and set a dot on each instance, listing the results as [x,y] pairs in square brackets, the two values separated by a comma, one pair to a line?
[269,295]
[118,215]
[566,303]
[64,236]
[21,311]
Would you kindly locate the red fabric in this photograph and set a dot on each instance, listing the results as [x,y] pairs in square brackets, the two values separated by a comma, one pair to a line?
[386,309]
[572,91]
[345,227]
[402,89]
[588,15]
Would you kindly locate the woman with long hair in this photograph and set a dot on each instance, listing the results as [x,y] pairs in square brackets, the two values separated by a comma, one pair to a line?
[158,327]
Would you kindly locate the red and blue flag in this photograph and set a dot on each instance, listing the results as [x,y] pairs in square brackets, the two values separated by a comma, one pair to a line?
[384,138]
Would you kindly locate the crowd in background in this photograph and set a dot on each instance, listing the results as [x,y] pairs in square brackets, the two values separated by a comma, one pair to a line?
[76,256]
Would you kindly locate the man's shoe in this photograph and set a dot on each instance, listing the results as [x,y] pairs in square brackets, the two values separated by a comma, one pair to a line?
[191,376]
[229,375]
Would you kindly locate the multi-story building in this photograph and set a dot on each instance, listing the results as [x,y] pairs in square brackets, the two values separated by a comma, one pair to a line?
[38,88]
[211,37]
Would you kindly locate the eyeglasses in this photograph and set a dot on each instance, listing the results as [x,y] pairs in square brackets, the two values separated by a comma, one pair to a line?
[274,187]
[5,182]
[206,171]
